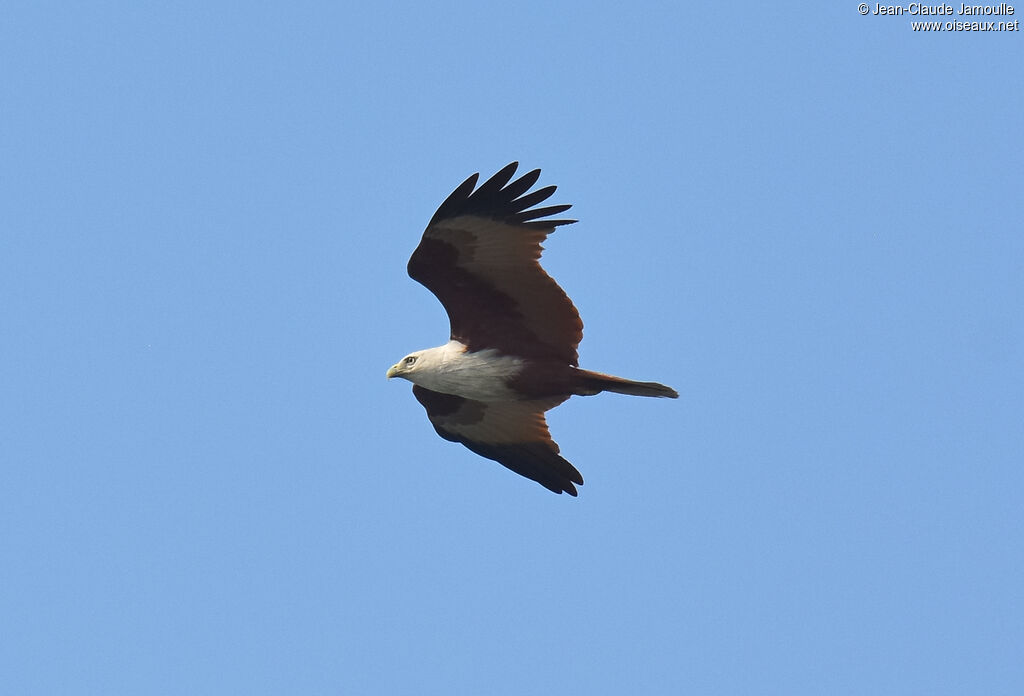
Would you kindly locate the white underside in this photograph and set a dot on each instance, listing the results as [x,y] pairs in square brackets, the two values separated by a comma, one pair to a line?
[480,376]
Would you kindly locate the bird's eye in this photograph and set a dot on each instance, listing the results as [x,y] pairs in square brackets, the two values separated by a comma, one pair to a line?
[410,360]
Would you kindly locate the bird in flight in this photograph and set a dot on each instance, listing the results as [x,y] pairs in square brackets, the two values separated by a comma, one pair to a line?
[512,354]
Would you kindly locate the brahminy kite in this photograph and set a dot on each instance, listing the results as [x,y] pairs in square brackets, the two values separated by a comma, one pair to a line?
[514,332]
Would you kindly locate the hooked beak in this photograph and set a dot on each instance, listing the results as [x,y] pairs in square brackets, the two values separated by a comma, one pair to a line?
[392,371]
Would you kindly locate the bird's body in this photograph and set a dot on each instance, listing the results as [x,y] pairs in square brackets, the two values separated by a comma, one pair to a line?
[512,355]
[482,375]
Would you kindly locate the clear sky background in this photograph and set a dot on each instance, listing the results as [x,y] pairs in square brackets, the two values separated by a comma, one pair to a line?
[806,220]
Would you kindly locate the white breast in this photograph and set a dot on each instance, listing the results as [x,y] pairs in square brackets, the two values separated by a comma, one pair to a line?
[481,376]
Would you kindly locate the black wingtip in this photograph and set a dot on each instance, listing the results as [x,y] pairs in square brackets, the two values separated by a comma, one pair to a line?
[502,198]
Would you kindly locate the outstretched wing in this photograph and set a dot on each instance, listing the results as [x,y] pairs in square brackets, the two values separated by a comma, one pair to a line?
[480,255]
[512,433]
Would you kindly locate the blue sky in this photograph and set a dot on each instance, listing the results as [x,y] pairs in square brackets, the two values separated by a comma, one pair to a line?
[808,221]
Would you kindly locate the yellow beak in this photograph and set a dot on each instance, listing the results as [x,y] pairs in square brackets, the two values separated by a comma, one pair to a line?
[392,371]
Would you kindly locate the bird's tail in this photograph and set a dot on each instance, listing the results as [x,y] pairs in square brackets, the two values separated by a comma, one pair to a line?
[589,383]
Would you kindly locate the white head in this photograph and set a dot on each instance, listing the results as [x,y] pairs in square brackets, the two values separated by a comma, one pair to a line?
[416,364]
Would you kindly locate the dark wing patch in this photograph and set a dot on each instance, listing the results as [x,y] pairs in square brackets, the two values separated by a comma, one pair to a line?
[480,255]
[512,433]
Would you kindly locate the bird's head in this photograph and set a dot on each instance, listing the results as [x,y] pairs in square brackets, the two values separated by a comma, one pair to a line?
[405,367]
